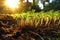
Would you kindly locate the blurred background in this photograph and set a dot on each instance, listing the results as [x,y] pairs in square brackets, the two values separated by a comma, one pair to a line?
[29,5]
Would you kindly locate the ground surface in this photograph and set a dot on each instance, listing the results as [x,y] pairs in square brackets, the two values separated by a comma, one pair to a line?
[30,26]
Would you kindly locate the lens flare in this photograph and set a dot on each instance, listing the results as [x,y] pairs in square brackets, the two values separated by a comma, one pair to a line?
[12,3]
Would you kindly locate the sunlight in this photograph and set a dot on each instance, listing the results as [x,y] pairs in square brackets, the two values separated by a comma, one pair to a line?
[50,1]
[12,3]
[30,0]
[41,5]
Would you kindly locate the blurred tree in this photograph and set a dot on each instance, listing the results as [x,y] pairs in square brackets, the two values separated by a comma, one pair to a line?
[21,4]
[27,5]
[21,1]
[33,2]
[53,5]
[35,6]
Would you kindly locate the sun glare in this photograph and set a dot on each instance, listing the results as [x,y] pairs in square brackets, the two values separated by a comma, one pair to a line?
[12,3]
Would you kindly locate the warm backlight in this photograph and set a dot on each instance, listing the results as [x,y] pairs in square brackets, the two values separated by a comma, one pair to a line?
[12,3]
